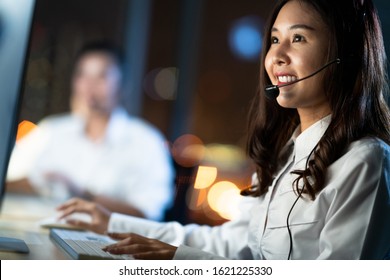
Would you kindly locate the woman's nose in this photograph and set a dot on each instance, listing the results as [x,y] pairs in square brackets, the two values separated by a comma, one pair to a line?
[280,55]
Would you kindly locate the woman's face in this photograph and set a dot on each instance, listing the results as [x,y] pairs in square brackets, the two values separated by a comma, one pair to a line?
[299,45]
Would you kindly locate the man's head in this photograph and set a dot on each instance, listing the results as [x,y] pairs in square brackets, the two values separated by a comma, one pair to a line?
[97,79]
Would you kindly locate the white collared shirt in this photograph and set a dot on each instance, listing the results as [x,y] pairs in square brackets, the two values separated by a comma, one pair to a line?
[130,164]
[333,226]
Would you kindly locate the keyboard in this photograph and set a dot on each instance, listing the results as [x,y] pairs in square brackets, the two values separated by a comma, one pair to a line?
[84,245]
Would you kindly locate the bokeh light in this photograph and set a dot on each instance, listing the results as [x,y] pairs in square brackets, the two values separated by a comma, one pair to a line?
[224,198]
[225,157]
[188,150]
[165,83]
[24,128]
[205,177]
[161,83]
[245,38]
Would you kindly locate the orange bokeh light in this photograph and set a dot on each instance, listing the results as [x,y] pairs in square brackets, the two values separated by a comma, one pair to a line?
[205,177]
[224,198]
[24,128]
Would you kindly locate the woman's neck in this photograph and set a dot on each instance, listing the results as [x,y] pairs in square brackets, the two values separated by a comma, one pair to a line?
[309,116]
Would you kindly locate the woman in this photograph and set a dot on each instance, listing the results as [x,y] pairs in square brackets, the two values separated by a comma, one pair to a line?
[321,148]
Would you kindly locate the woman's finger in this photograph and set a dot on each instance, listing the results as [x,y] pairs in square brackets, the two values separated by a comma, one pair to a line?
[155,255]
[128,249]
[121,243]
[145,256]
[131,238]
[119,236]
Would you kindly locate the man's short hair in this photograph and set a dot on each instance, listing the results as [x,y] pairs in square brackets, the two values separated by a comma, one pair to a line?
[101,47]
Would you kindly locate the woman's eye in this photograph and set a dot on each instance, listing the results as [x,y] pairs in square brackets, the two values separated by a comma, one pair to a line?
[274,40]
[298,38]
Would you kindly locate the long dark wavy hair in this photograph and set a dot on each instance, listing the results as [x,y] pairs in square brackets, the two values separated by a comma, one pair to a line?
[355,91]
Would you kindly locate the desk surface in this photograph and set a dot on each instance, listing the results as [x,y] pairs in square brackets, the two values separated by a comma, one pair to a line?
[20,216]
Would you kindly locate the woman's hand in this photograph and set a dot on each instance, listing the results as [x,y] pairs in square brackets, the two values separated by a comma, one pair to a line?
[140,247]
[99,215]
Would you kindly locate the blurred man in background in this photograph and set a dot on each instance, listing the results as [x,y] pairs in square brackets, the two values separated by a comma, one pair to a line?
[97,152]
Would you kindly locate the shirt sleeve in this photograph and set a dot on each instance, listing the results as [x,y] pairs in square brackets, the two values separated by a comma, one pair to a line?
[228,240]
[152,191]
[352,200]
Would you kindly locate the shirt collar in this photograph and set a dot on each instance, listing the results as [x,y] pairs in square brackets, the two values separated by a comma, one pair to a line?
[117,126]
[308,139]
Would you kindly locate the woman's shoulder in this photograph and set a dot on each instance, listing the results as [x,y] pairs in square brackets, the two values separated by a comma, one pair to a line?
[372,145]
[371,150]
[365,160]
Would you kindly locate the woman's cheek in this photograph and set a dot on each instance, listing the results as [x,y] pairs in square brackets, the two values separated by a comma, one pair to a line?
[268,68]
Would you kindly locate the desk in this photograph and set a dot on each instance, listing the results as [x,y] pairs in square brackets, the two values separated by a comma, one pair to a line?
[20,216]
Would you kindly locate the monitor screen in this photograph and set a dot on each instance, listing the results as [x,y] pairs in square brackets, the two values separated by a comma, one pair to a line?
[15,28]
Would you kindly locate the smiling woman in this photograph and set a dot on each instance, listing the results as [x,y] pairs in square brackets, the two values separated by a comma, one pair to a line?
[350,31]
[299,45]
[321,150]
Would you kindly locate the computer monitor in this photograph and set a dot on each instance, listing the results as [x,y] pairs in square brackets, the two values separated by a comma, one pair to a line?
[15,28]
